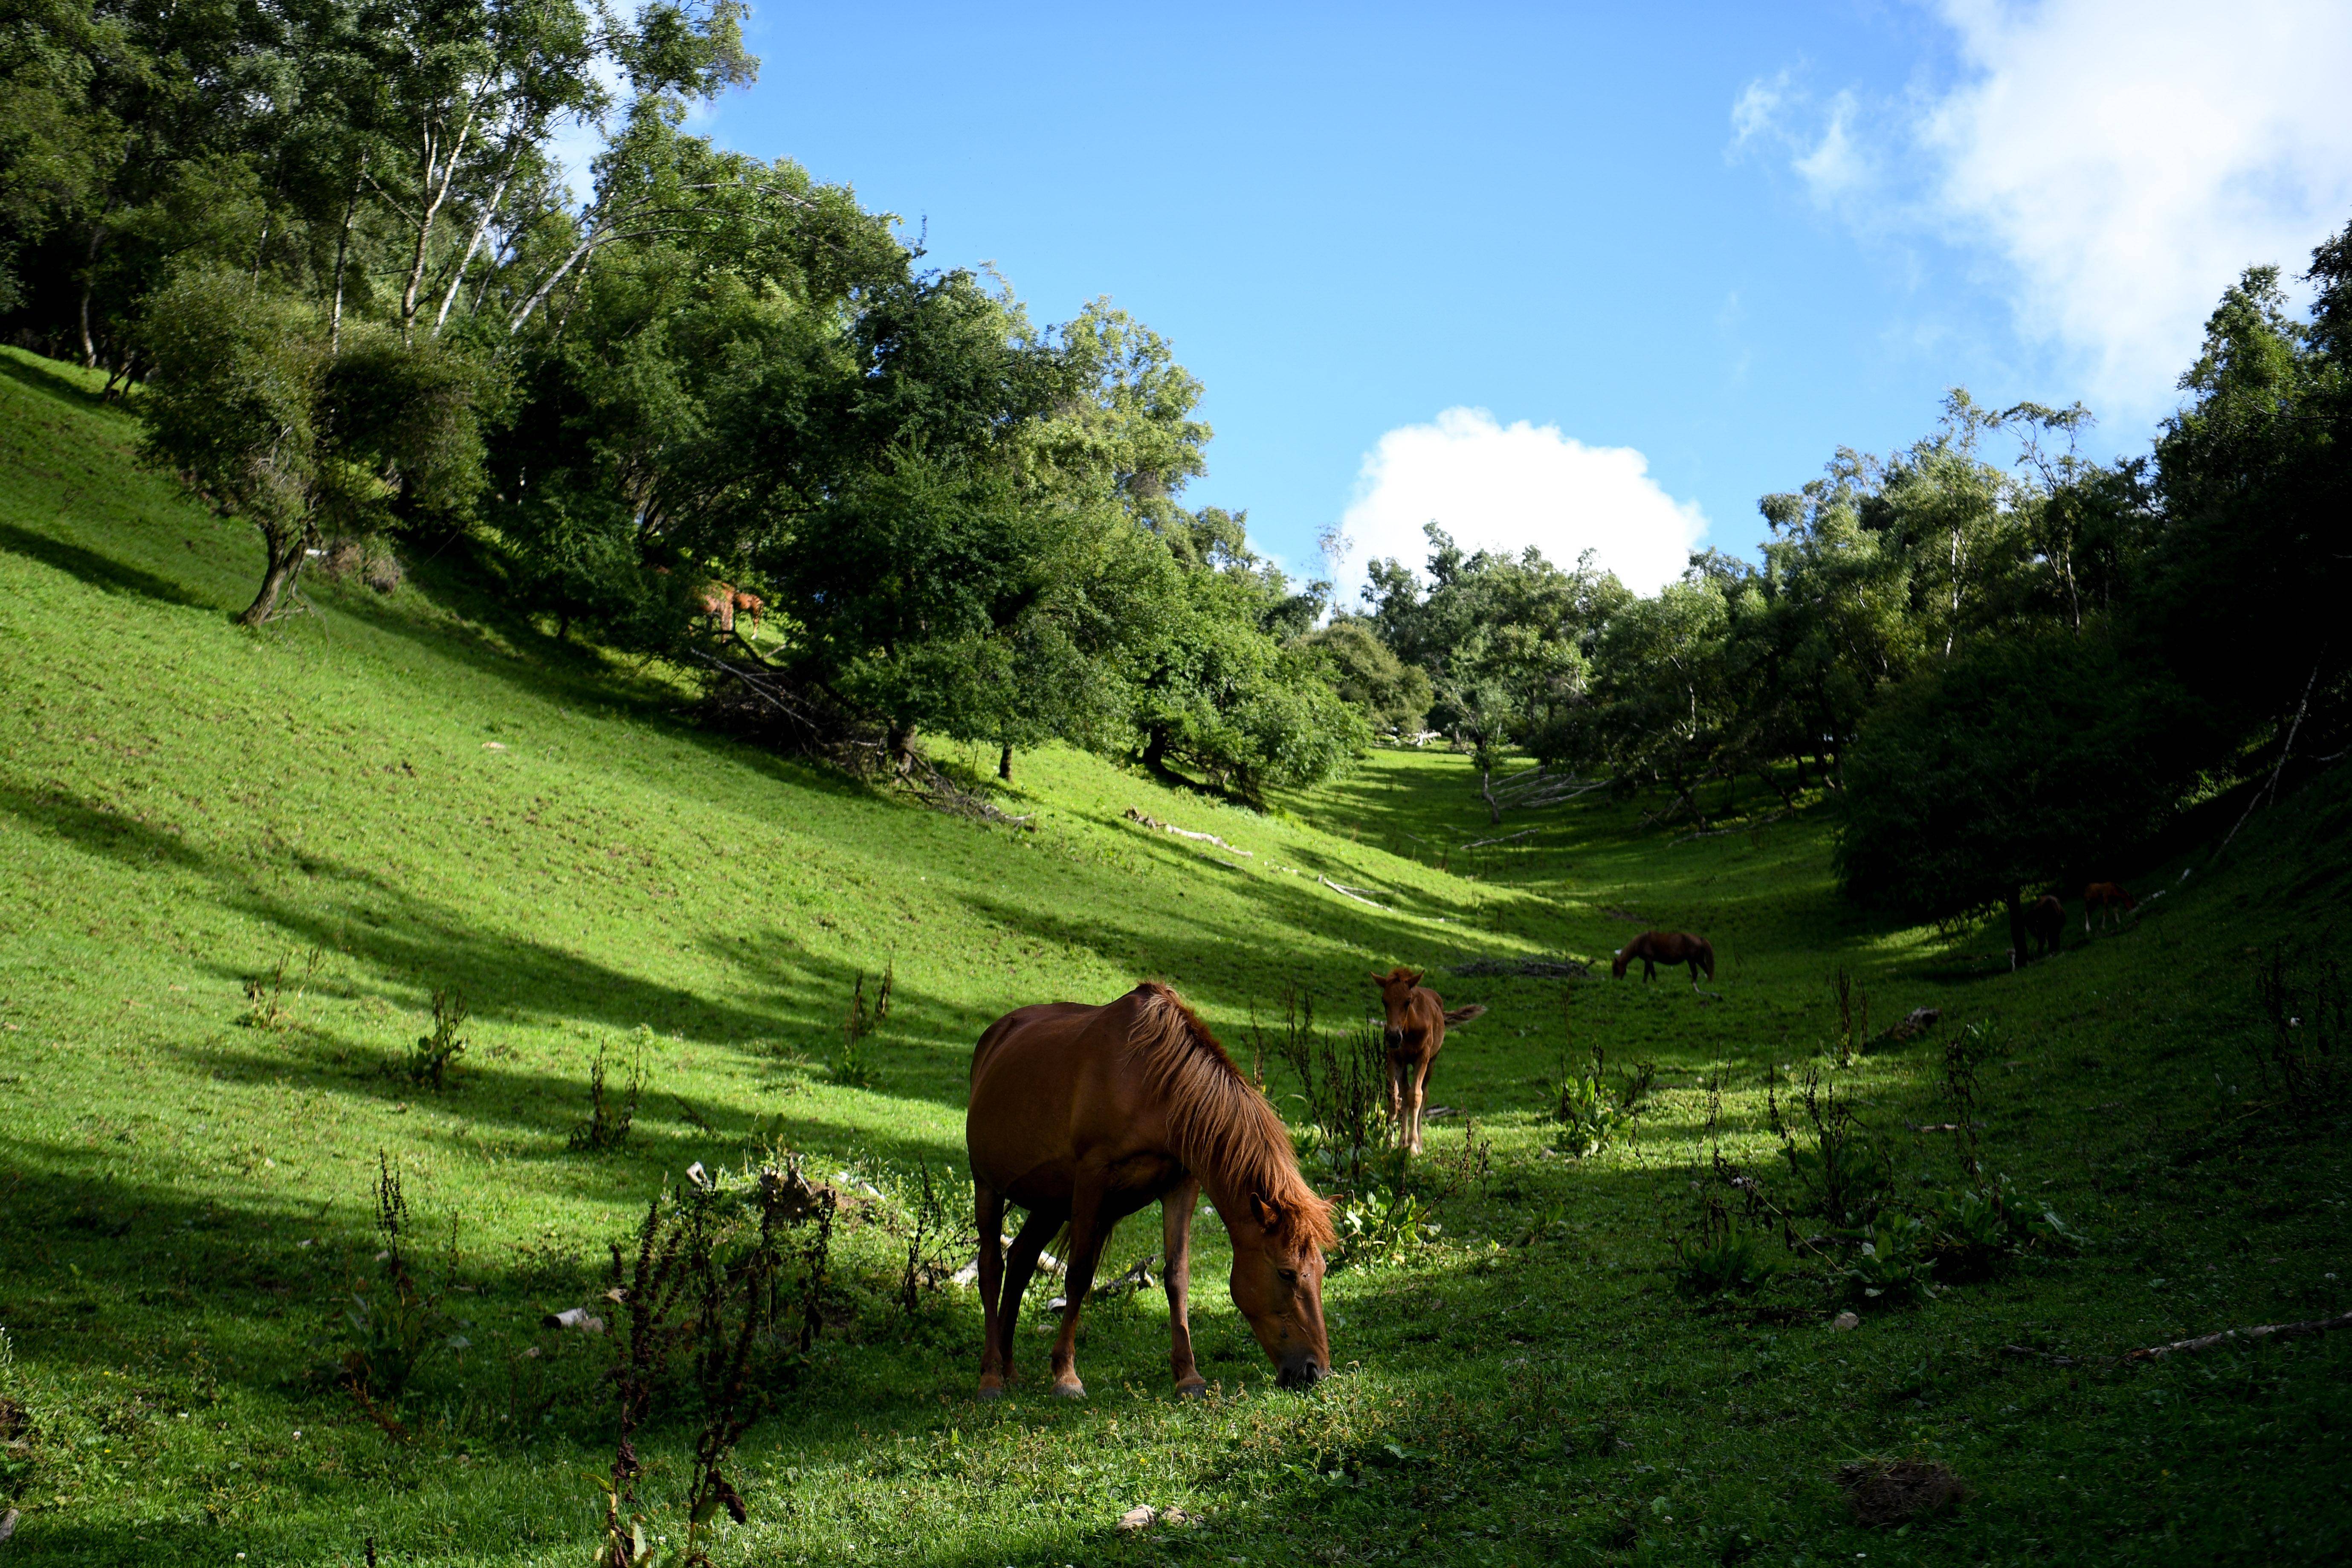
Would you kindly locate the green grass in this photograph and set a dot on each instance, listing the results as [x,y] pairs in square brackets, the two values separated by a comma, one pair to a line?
[419,792]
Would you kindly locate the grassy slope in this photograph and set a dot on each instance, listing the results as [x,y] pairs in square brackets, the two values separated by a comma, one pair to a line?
[183,1199]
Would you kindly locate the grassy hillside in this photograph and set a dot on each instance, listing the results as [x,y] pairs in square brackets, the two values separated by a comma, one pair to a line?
[391,797]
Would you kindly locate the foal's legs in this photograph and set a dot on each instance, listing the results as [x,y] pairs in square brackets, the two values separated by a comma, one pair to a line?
[1019,1268]
[1420,1093]
[1176,1274]
[1396,1099]
[1087,1234]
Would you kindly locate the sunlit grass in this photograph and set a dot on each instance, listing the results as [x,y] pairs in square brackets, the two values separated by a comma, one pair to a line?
[392,796]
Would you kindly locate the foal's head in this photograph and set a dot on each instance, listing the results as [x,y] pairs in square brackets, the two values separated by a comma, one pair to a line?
[1277,1283]
[1407,1026]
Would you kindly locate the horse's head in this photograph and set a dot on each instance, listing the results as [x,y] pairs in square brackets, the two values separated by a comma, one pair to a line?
[1404,1023]
[1277,1283]
[1617,964]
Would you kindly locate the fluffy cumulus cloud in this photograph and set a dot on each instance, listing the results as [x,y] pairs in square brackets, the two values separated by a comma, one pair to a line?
[1499,487]
[2122,159]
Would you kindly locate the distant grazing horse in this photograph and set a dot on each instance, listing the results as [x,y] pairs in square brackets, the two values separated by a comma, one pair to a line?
[2046,922]
[1082,1116]
[2112,902]
[1669,948]
[1414,1034]
[717,600]
[748,605]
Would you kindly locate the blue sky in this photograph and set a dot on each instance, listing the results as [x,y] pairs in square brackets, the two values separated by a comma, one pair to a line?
[1692,250]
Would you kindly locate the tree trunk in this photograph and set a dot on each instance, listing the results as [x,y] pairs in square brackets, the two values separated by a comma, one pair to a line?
[285,565]
[342,249]
[2016,903]
[1487,788]
[1005,763]
[1155,750]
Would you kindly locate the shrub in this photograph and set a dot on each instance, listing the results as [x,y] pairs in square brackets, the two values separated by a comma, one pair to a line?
[851,1068]
[396,1319]
[1593,1114]
[437,1054]
[609,1115]
[1724,1257]
[1892,1268]
[1343,1090]
[2305,1011]
[1843,1173]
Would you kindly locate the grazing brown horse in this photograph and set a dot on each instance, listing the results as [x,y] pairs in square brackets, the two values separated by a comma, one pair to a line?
[1666,947]
[2112,902]
[1415,1033]
[717,600]
[2046,922]
[1082,1116]
[747,605]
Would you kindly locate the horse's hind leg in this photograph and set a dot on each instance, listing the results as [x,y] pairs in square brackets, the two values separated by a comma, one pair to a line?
[1020,1267]
[1176,1274]
[1086,1238]
[988,1211]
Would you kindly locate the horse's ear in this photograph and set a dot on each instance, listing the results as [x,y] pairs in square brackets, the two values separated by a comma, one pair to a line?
[1381,980]
[1268,1215]
[1410,976]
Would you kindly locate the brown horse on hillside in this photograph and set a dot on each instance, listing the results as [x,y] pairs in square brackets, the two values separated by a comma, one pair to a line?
[1666,947]
[718,601]
[2112,902]
[1415,1033]
[1082,1116]
[2046,922]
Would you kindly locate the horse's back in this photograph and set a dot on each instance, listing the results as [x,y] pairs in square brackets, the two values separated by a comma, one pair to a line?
[1047,1084]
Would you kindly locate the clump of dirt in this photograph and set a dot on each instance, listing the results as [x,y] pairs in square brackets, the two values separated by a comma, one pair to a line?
[14,1421]
[1892,1491]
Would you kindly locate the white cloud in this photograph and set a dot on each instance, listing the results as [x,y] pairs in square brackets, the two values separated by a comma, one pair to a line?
[2121,159]
[2129,159]
[1504,487]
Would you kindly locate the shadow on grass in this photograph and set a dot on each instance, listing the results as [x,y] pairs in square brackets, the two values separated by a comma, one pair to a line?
[101,571]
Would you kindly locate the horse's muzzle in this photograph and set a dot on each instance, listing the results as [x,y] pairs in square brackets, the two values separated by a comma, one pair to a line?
[1301,1372]
[1392,1039]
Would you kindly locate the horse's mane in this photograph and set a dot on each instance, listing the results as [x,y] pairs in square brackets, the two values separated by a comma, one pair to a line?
[1222,1127]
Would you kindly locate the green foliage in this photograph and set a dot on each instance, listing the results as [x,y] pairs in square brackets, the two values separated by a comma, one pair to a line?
[1891,1266]
[1724,1257]
[397,1318]
[852,1067]
[610,1114]
[1593,1115]
[436,1054]
[1845,1174]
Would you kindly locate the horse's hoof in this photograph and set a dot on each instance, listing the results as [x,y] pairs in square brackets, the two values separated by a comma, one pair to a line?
[1072,1389]
[991,1391]
[1196,1389]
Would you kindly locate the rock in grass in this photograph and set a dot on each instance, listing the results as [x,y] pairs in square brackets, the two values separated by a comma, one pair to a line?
[1846,1321]
[1140,1517]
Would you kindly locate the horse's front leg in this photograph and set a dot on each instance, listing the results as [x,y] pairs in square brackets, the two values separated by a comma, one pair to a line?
[1419,1100]
[1020,1267]
[1176,1274]
[988,1210]
[1396,1097]
[1086,1238]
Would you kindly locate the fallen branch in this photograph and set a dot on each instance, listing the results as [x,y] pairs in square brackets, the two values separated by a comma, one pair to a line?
[2228,1336]
[1135,816]
[1351,893]
[1506,838]
[2201,1342]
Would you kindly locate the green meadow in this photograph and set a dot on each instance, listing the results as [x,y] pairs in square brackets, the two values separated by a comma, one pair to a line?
[236,867]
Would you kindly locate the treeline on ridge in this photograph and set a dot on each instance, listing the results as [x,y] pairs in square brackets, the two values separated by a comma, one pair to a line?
[333,246]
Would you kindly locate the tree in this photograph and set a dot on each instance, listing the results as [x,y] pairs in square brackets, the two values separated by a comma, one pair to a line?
[2018,761]
[248,403]
[1392,694]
